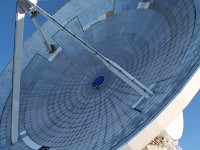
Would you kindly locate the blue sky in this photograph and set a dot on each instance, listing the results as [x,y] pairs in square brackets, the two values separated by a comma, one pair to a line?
[191,135]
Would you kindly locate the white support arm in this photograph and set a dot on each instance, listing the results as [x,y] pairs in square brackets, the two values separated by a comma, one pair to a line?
[48,46]
[115,68]
[19,28]
[128,78]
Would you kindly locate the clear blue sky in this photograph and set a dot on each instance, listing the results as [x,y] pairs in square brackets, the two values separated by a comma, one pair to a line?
[191,135]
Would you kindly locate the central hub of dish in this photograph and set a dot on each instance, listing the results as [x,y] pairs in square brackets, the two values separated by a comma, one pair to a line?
[98,82]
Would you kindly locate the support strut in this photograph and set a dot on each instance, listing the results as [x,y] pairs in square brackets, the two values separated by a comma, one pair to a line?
[19,28]
[48,46]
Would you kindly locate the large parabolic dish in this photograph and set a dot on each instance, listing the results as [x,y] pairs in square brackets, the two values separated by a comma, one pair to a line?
[59,106]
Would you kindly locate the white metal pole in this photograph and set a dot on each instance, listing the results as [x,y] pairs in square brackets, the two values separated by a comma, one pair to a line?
[19,28]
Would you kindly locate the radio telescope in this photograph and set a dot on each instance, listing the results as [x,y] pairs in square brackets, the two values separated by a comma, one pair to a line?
[101,75]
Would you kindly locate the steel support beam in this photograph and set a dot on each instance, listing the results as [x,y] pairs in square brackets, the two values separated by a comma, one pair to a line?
[48,46]
[19,28]
[112,66]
